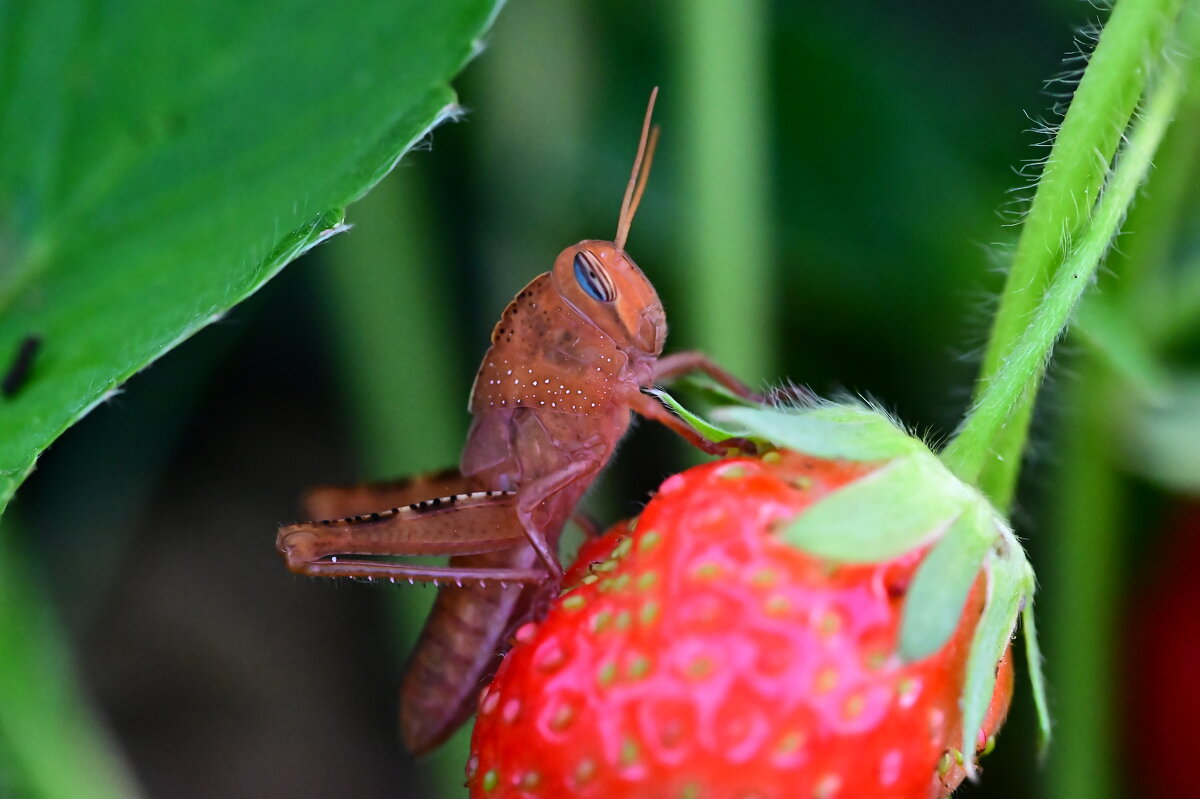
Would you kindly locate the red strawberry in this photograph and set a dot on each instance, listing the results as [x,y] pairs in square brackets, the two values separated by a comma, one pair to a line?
[699,655]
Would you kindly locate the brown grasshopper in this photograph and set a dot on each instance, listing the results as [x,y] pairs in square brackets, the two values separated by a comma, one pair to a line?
[568,361]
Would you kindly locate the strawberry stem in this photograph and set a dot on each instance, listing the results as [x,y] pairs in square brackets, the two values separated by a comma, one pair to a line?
[1097,512]
[1034,313]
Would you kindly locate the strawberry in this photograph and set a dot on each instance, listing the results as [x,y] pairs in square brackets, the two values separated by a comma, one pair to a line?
[701,652]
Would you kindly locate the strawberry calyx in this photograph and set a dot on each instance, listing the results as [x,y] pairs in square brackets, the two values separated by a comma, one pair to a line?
[909,501]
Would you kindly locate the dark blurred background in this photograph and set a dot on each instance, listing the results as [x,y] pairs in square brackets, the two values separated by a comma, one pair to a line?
[828,204]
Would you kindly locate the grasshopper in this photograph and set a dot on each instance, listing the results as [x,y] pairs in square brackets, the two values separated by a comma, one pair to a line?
[568,363]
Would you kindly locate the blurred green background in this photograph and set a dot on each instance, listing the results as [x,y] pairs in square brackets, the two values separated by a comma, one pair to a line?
[832,200]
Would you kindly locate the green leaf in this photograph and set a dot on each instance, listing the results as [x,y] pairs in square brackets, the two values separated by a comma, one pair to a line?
[851,432]
[1008,580]
[934,605]
[701,425]
[893,510]
[162,161]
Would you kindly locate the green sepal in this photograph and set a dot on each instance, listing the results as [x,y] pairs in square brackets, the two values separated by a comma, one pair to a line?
[1009,581]
[933,606]
[827,430]
[1037,679]
[895,509]
[702,426]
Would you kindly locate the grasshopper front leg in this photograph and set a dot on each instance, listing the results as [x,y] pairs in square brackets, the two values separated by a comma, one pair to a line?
[544,504]
[650,408]
[678,364]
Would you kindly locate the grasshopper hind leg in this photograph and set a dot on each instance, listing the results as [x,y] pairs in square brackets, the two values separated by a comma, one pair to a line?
[470,522]
[341,501]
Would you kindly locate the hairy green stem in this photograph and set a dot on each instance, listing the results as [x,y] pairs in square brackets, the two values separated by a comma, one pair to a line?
[724,205]
[1010,390]
[1071,180]
[1166,300]
[1090,514]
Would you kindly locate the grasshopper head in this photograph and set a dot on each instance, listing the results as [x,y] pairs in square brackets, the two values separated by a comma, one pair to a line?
[602,281]
[604,284]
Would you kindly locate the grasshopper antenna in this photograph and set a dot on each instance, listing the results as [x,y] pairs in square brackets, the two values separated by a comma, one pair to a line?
[637,180]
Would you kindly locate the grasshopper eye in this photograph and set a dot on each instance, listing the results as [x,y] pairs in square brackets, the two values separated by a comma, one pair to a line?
[592,277]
